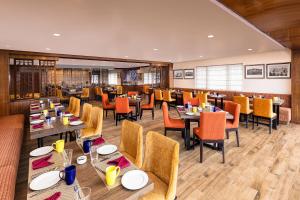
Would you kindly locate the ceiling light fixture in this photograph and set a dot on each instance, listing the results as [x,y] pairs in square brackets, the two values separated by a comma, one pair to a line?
[126,56]
[210,36]
[250,49]
[48,49]
[56,34]
[201,56]
[155,49]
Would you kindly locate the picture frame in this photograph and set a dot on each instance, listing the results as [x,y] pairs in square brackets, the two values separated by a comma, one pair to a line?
[189,74]
[256,71]
[178,74]
[278,70]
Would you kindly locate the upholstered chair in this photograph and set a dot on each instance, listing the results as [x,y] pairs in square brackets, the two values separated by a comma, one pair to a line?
[95,126]
[122,109]
[202,98]
[76,108]
[149,106]
[161,164]
[233,124]
[131,142]
[106,105]
[245,107]
[86,113]
[132,93]
[186,96]
[168,98]
[71,106]
[158,97]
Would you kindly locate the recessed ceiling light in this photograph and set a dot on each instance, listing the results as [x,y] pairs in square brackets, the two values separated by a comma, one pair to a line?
[210,36]
[200,56]
[250,49]
[56,34]
[48,49]
[126,56]
[170,60]
[155,49]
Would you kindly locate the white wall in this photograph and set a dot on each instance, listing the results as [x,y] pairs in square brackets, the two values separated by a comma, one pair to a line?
[280,86]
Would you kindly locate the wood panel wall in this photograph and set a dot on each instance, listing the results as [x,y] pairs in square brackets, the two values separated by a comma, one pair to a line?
[296,86]
[4,83]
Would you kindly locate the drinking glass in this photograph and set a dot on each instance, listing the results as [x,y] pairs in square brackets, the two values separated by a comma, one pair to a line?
[82,193]
[93,154]
[68,157]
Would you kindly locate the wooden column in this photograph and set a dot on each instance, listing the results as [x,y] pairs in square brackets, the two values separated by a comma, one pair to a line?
[295,86]
[4,83]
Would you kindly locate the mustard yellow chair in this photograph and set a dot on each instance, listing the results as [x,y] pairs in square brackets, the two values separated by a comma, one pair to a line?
[119,89]
[36,95]
[245,107]
[95,125]
[60,96]
[131,142]
[158,97]
[85,96]
[168,98]
[146,89]
[76,107]
[186,96]
[71,104]
[263,108]
[161,165]
[98,92]
[86,113]
[202,97]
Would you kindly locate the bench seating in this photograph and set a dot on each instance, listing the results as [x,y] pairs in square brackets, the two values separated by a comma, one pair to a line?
[11,136]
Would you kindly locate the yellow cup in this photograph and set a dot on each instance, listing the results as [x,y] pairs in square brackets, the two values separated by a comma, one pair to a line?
[45,112]
[203,105]
[112,173]
[194,109]
[51,105]
[59,146]
[65,120]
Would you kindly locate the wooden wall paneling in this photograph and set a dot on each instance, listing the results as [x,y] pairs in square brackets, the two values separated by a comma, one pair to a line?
[4,83]
[295,86]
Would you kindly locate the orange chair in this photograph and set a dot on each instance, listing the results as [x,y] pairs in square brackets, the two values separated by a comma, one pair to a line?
[158,97]
[186,96]
[106,105]
[233,124]
[245,107]
[146,89]
[263,108]
[132,93]
[170,123]
[211,130]
[149,106]
[167,97]
[122,109]
[202,97]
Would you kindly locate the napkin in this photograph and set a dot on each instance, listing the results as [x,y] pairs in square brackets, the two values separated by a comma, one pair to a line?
[67,112]
[122,162]
[35,117]
[98,141]
[36,126]
[72,119]
[42,162]
[55,196]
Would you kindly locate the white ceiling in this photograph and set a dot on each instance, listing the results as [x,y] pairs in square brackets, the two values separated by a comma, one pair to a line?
[76,63]
[133,28]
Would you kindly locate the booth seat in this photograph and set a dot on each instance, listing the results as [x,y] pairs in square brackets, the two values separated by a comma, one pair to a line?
[11,136]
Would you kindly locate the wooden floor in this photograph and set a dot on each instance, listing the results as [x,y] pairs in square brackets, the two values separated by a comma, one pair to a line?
[263,167]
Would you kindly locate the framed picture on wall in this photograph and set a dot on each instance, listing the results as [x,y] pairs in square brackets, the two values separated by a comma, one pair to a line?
[255,71]
[178,74]
[189,74]
[279,70]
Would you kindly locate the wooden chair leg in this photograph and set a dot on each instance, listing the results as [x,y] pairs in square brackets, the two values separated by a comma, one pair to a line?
[153,114]
[227,134]
[201,151]
[117,116]
[66,136]
[223,152]
[253,118]
[114,114]
[141,114]
[247,120]
[165,132]
[106,113]
[161,102]
[257,121]
[270,126]
[237,137]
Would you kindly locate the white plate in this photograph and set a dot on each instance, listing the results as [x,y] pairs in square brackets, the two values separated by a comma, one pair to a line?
[41,151]
[134,180]
[35,115]
[107,149]
[189,113]
[45,180]
[39,121]
[75,123]
[180,106]
[68,115]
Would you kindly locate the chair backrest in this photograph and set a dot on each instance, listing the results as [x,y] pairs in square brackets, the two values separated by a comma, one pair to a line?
[86,113]
[263,107]
[161,159]
[202,97]
[234,109]
[105,101]
[244,102]
[71,104]
[151,100]
[186,96]
[119,89]
[146,88]
[97,91]
[86,92]
[100,91]
[132,93]
[131,141]
[167,95]
[97,120]
[212,125]
[36,95]
[158,94]
[76,109]
[59,93]
[166,117]
[122,105]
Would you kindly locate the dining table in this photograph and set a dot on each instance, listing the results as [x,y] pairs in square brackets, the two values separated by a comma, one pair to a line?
[90,174]
[192,117]
[54,127]
[37,107]
[217,97]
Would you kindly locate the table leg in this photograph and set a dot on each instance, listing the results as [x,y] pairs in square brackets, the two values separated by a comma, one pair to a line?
[40,142]
[187,134]
[222,103]
[277,112]
[216,101]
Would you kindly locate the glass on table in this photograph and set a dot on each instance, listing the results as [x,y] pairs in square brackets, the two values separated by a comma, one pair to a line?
[82,193]
[93,154]
[68,157]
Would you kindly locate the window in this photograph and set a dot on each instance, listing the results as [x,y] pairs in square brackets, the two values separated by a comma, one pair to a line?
[221,77]
[112,78]
[95,79]
[149,78]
